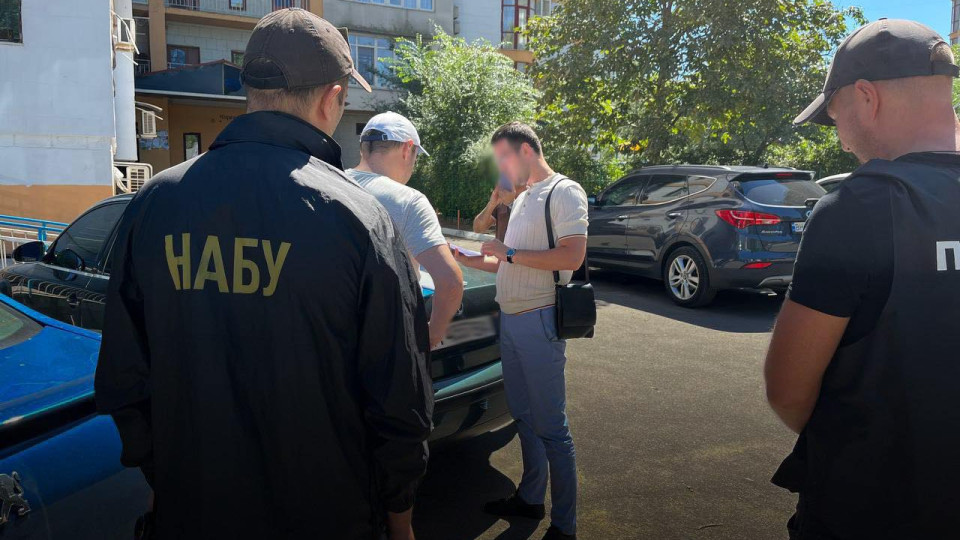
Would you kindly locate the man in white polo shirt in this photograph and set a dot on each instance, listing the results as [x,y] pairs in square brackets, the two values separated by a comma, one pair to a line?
[389,146]
[533,356]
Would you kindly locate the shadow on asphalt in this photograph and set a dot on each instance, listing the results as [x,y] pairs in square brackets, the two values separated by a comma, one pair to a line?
[460,479]
[731,311]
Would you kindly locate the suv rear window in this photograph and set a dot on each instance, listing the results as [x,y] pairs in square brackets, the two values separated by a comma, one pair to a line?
[780,191]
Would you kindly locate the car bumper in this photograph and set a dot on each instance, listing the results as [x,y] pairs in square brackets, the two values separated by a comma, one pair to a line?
[734,275]
[469,404]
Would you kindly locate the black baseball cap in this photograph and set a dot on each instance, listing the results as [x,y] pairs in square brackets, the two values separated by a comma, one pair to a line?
[882,50]
[293,48]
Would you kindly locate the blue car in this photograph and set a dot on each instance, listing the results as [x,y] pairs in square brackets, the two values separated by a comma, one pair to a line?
[60,467]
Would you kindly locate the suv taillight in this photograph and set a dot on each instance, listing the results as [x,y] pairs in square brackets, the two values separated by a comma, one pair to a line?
[742,219]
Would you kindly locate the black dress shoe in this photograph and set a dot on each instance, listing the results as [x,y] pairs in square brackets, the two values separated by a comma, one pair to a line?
[553,533]
[514,506]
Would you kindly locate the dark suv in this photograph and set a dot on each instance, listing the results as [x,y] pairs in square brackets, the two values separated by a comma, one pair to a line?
[703,228]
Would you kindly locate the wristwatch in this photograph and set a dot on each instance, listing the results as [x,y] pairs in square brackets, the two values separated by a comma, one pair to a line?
[510,253]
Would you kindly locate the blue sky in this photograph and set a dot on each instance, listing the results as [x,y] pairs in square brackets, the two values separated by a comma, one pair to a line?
[933,13]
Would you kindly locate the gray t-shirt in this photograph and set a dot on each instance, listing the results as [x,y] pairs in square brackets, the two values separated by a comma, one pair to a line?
[410,210]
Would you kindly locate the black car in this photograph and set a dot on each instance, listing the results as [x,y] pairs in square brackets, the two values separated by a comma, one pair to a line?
[703,228]
[68,282]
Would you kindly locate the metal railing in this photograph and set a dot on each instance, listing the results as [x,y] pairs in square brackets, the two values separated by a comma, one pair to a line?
[15,230]
[142,67]
[246,8]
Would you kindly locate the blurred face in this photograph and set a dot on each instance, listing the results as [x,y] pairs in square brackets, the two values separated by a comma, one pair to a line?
[852,112]
[513,163]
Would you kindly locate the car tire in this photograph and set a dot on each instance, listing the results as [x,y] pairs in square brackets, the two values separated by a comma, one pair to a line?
[686,278]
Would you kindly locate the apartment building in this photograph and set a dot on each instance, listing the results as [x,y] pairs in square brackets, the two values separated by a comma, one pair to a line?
[190,52]
[955,23]
[501,22]
[66,104]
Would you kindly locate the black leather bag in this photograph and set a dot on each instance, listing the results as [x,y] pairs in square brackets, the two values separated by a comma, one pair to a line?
[576,306]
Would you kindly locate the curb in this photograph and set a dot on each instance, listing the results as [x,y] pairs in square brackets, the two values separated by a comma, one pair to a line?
[467,234]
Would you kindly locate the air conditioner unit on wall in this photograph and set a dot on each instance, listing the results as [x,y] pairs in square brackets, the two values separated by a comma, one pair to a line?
[132,176]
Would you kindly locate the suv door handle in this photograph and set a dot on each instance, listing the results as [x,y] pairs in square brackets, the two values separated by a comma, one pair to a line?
[674,215]
[623,217]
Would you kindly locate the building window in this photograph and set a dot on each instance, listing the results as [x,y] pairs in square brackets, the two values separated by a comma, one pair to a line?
[191,145]
[180,55]
[236,57]
[370,55]
[424,5]
[522,67]
[10,27]
[360,127]
[514,17]
[238,5]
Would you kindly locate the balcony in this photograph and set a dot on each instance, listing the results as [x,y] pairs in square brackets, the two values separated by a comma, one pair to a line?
[242,8]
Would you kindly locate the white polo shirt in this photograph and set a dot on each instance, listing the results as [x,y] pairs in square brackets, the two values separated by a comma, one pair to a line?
[520,288]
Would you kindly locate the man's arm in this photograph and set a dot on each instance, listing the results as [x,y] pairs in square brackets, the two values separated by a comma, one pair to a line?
[803,343]
[568,211]
[122,381]
[448,295]
[485,220]
[392,360]
[477,262]
[568,255]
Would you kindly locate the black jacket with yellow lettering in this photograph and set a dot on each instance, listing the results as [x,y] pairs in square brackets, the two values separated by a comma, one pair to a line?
[264,347]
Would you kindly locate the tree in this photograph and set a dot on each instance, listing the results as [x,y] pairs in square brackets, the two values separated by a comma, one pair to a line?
[956,82]
[714,81]
[457,94]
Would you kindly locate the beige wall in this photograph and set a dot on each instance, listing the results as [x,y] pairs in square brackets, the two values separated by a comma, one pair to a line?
[54,202]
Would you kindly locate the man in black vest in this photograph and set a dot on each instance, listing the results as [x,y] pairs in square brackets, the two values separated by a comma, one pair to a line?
[865,359]
[264,349]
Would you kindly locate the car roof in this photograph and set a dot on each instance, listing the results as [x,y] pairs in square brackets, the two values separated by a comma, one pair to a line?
[715,169]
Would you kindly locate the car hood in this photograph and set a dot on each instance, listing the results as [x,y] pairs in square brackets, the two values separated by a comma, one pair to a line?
[54,367]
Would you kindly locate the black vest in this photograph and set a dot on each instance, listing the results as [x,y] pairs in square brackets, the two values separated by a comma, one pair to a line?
[882,448]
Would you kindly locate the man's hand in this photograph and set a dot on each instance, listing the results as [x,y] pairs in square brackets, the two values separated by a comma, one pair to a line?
[495,248]
[507,197]
[400,526]
[494,198]
[804,341]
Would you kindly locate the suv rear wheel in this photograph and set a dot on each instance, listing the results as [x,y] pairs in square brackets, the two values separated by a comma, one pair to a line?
[687,279]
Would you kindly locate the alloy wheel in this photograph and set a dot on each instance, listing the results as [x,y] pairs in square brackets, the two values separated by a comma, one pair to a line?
[684,277]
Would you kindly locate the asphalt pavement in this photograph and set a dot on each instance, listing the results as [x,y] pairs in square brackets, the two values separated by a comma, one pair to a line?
[674,438]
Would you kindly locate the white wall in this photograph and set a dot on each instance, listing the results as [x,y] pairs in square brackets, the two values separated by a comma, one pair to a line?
[480,19]
[215,43]
[56,96]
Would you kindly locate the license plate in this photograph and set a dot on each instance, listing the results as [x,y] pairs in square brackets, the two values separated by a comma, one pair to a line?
[468,330]
[799,226]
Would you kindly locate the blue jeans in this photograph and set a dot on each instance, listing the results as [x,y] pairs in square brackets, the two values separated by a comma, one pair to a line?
[533,363]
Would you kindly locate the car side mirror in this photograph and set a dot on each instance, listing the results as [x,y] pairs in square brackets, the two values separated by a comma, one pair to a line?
[69,259]
[29,252]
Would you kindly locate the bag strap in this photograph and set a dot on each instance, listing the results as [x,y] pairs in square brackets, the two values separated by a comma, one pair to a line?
[550,240]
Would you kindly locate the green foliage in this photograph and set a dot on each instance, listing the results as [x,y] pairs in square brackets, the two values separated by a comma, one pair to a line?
[713,81]
[956,82]
[10,29]
[458,93]
[818,150]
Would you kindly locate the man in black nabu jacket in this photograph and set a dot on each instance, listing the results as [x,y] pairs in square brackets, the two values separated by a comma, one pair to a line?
[264,349]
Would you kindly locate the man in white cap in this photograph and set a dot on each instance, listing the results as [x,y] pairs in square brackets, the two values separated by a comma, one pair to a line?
[389,147]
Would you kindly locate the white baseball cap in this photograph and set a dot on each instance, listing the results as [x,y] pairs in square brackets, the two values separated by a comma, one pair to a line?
[393,127]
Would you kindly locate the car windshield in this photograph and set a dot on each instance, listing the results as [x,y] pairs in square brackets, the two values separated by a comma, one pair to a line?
[781,191]
[15,327]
